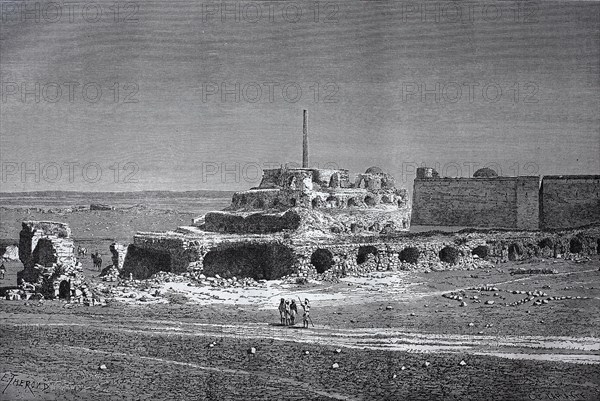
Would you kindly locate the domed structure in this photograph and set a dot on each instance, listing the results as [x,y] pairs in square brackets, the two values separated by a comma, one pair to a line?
[374,170]
[485,173]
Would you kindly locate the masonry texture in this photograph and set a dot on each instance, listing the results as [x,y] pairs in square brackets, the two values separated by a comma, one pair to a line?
[506,202]
[50,269]
[570,201]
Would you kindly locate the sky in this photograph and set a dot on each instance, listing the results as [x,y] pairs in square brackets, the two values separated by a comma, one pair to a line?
[189,95]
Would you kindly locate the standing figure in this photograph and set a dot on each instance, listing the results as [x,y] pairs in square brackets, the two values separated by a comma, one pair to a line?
[287,313]
[2,271]
[306,315]
[293,312]
[282,311]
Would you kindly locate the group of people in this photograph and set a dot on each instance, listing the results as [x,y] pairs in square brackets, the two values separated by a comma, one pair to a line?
[288,309]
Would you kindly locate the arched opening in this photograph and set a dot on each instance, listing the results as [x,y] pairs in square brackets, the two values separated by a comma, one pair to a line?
[352,202]
[364,252]
[546,243]
[258,261]
[370,201]
[481,251]
[322,260]
[449,254]
[575,245]
[64,290]
[409,255]
[514,251]
[332,201]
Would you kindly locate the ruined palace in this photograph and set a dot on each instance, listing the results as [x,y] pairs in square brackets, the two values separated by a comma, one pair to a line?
[309,222]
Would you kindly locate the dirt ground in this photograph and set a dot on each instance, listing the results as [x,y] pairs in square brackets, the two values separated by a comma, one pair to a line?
[164,351]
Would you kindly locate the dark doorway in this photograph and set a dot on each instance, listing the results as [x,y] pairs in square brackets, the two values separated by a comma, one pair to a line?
[364,252]
[64,290]
[322,260]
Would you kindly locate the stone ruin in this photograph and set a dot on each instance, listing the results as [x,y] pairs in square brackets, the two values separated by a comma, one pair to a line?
[308,222]
[51,270]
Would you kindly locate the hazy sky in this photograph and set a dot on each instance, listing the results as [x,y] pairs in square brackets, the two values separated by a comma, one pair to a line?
[400,84]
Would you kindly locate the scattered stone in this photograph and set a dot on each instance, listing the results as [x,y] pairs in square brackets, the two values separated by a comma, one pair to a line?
[426,364]
[335,365]
[490,302]
[403,368]
[338,350]
[306,352]
[102,367]
[462,363]
[471,324]
[252,351]
[463,303]
[389,307]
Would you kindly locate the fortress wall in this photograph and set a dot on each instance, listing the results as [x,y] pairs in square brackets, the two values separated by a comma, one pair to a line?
[474,202]
[528,203]
[570,201]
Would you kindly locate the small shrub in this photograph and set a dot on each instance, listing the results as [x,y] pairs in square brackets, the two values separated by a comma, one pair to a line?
[482,251]
[301,280]
[449,255]
[409,255]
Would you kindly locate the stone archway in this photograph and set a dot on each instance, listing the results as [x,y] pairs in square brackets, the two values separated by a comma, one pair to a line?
[370,201]
[322,260]
[364,252]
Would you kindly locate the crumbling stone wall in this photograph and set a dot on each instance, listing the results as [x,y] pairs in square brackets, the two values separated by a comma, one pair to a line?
[272,257]
[260,223]
[570,201]
[502,202]
[119,252]
[33,231]
[48,256]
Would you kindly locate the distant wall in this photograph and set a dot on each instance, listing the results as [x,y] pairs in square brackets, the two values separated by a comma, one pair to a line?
[509,202]
[570,201]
